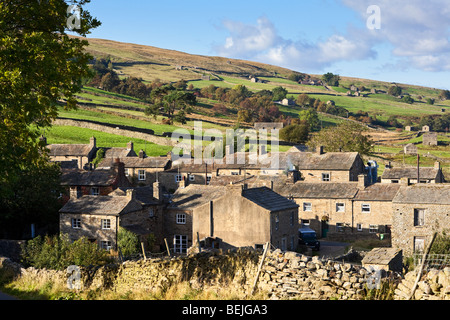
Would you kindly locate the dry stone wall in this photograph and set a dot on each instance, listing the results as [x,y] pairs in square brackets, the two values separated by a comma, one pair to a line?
[284,275]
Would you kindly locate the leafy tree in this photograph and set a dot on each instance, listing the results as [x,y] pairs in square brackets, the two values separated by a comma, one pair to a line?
[444,95]
[331,79]
[311,117]
[430,100]
[297,133]
[395,91]
[244,115]
[408,99]
[279,93]
[303,100]
[39,65]
[347,137]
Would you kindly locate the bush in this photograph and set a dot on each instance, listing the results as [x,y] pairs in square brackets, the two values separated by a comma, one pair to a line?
[58,252]
[128,242]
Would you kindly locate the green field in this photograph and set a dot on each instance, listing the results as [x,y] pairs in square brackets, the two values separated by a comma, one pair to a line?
[75,135]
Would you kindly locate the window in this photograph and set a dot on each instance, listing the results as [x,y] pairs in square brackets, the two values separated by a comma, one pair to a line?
[339,227]
[128,172]
[106,224]
[325,177]
[191,177]
[419,217]
[107,245]
[292,218]
[76,223]
[373,228]
[180,243]
[95,191]
[340,207]
[234,173]
[359,227]
[307,206]
[178,178]
[141,175]
[283,244]
[305,222]
[181,218]
[419,244]
[208,179]
[365,207]
[151,212]
[276,221]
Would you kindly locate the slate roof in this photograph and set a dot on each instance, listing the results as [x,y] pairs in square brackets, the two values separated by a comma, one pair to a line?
[104,205]
[144,195]
[268,199]
[424,194]
[119,153]
[315,161]
[318,190]
[194,195]
[382,256]
[378,192]
[69,149]
[97,177]
[136,162]
[398,173]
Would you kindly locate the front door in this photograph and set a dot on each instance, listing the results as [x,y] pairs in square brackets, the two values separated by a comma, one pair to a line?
[325,227]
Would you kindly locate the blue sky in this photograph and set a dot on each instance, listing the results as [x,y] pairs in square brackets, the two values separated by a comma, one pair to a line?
[411,46]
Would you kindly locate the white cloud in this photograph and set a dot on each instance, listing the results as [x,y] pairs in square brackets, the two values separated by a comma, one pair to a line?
[417,30]
[261,42]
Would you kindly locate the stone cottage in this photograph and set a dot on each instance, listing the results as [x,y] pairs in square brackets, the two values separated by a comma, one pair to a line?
[233,216]
[83,154]
[426,174]
[141,170]
[418,211]
[101,181]
[98,218]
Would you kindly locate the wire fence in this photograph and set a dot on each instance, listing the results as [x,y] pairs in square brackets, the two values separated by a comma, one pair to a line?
[433,261]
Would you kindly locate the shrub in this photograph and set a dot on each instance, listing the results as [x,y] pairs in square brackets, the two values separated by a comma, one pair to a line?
[128,242]
[58,252]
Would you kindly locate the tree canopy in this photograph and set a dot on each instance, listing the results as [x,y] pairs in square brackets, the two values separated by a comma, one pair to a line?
[40,64]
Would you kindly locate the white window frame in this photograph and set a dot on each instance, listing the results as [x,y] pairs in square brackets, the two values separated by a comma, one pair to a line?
[178,178]
[208,178]
[359,227]
[151,212]
[76,223]
[95,191]
[181,218]
[324,178]
[373,228]
[105,244]
[305,222]
[191,177]
[277,221]
[141,175]
[365,206]
[307,206]
[106,224]
[180,243]
[419,221]
[340,207]
[340,226]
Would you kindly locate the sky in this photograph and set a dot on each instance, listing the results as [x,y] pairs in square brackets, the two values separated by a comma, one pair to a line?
[387,40]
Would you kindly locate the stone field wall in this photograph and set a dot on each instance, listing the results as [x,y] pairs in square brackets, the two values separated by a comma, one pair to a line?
[284,275]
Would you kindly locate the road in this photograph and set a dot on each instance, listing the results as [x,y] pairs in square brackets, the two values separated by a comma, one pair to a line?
[4,296]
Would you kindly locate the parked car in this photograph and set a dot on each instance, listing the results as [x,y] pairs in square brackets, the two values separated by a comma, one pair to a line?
[308,237]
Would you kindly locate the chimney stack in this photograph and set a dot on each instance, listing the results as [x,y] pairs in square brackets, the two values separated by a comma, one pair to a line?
[319,150]
[93,142]
[157,191]
[141,154]
[130,145]
[131,194]
[75,193]
[437,165]
[362,181]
